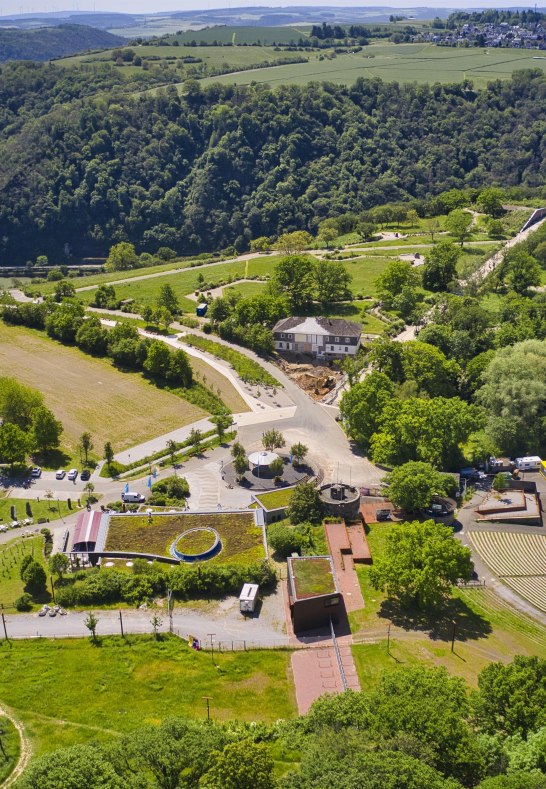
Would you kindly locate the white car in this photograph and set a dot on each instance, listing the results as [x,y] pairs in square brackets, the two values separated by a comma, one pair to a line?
[61,473]
[73,474]
[36,472]
[43,610]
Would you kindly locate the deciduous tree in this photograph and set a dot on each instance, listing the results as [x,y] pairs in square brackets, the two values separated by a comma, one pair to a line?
[421,563]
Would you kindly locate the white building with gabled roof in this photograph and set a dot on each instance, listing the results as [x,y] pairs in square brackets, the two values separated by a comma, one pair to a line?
[321,337]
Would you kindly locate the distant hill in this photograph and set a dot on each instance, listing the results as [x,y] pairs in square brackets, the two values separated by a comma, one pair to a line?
[46,43]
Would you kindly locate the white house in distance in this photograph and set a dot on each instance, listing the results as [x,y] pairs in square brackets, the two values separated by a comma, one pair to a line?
[321,337]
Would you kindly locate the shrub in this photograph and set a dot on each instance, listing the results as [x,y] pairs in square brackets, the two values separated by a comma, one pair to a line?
[284,540]
[35,578]
[24,603]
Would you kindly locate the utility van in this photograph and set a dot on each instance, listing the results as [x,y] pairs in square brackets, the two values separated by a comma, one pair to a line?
[132,498]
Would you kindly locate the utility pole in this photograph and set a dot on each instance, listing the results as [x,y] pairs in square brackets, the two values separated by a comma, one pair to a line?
[453,631]
[4,623]
[389,639]
[52,588]
[211,636]
[208,699]
[170,608]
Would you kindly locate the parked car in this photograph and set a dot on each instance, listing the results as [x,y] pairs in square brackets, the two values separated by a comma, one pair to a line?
[85,475]
[36,472]
[383,515]
[73,474]
[61,474]
[43,610]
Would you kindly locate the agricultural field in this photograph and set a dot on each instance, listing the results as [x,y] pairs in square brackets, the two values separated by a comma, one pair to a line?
[519,560]
[245,35]
[421,63]
[242,541]
[488,629]
[214,57]
[89,394]
[132,682]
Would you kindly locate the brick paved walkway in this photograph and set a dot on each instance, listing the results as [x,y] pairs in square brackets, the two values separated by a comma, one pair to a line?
[316,672]
[340,549]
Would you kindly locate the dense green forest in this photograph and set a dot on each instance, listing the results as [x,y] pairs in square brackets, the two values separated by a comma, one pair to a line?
[224,165]
[53,42]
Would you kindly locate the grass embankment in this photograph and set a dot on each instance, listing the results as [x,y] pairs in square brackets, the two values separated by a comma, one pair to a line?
[90,394]
[11,556]
[247,369]
[11,743]
[487,629]
[71,691]
[242,542]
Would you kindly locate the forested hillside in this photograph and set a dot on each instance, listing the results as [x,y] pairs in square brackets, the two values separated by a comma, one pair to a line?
[53,42]
[224,165]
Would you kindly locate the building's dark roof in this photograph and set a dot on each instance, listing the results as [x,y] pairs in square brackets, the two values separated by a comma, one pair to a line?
[325,326]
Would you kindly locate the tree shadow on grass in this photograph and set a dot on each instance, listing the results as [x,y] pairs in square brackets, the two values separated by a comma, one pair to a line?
[438,624]
[52,458]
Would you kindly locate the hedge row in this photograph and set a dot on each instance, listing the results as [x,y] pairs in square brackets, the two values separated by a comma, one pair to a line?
[100,586]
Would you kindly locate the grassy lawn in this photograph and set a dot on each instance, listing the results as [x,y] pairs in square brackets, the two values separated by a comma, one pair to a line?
[277,498]
[11,556]
[364,272]
[89,394]
[241,541]
[127,684]
[219,384]
[184,281]
[38,509]
[488,629]
[245,289]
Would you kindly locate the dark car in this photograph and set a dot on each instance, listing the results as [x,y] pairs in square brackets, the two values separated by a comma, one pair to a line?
[383,515]
[85,474]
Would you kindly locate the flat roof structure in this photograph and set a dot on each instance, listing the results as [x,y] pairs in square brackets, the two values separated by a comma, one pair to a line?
[311,576]
[510,505]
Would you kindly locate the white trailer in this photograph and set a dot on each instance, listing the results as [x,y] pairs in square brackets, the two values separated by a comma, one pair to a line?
[248,598]
[531,463]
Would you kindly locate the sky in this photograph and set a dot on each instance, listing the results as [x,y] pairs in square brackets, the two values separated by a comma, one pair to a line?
[153,6]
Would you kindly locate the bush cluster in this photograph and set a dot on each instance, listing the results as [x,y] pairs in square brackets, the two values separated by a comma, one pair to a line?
[97,587]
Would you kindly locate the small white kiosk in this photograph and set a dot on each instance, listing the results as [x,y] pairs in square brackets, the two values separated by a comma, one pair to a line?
[248,598]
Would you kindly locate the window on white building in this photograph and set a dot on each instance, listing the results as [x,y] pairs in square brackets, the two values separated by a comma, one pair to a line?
[346,349]
[337,339]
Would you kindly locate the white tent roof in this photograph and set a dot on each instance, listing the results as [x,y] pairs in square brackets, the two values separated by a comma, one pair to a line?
[262,458]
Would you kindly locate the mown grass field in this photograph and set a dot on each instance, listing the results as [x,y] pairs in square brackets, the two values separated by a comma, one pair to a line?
[488,629]
[71,691]
[40,509]
[242,542]
[146,291]
[89,394]
[421,63]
